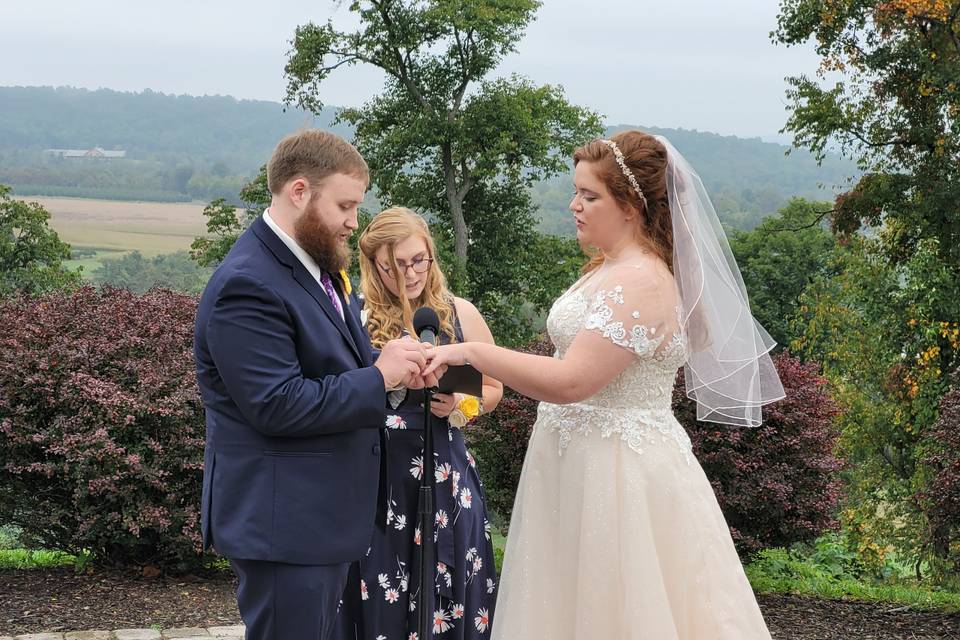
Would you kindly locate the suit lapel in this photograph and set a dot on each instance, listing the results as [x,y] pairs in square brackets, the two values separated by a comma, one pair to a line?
[360,336]
[307,281]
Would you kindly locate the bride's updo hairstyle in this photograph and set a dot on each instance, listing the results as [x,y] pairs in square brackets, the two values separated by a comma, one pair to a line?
[646,159]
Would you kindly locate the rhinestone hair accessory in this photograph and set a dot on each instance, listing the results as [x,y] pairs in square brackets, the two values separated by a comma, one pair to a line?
[618,156]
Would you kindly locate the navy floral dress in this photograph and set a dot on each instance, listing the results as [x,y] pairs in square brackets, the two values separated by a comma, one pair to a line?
[466,588]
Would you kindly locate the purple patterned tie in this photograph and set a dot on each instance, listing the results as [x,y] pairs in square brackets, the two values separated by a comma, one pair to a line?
[328,287]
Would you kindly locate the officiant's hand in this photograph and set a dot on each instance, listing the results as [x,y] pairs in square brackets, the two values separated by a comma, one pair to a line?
[443,404]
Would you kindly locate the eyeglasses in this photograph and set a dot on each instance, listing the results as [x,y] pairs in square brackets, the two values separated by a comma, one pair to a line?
[420,265]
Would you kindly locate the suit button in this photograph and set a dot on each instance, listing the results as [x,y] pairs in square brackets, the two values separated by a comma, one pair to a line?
[376,449]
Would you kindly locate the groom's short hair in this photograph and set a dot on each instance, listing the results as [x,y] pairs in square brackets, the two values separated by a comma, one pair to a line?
[313,154]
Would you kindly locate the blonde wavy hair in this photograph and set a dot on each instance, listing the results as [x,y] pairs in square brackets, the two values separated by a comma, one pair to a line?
[388,315]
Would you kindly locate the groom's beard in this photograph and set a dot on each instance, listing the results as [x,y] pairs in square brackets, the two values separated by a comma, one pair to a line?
[320,242]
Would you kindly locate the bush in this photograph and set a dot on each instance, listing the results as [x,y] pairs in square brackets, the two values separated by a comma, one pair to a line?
[777,484]
[101,425]
[941,499]
[498,441]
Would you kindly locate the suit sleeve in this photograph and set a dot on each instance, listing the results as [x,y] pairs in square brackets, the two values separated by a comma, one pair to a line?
[251,340]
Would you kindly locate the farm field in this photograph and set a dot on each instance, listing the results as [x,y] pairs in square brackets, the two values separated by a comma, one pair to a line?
[113,228]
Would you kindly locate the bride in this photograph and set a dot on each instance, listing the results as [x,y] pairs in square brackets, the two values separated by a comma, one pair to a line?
[616,533]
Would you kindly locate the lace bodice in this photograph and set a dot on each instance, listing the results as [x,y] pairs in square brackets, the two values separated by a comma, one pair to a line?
[639,316]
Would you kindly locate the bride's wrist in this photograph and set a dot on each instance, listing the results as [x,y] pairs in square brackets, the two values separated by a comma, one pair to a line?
[469,352]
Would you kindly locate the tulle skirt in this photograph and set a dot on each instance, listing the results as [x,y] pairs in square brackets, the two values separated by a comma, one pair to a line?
[610,543]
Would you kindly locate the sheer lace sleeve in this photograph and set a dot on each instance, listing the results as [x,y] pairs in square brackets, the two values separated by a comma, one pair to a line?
[635,307]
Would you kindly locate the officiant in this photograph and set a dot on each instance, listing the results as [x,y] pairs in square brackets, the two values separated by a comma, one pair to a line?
[400,274]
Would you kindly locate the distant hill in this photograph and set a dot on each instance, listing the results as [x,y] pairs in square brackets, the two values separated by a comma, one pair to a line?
[202,147]
[239,133]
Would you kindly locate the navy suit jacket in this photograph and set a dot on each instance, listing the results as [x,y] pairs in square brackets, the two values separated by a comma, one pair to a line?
[293,411]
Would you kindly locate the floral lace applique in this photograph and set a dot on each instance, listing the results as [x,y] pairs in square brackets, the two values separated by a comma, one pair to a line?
[637,403]
[641,339]
[637,428]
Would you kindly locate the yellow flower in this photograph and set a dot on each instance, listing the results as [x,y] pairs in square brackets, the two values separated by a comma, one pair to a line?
[470,407]
[347,287]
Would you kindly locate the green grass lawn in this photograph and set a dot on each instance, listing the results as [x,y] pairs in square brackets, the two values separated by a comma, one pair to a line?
[91,263]
[786,571]
[499,542]
[30,559]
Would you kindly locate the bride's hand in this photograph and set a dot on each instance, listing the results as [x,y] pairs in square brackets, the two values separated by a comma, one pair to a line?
[439,358]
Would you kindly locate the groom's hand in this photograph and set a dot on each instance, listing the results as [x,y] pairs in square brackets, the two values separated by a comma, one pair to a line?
[401,362]
[420,381]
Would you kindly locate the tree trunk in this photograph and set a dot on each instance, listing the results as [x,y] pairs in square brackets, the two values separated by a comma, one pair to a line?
[455,200]
[459,228]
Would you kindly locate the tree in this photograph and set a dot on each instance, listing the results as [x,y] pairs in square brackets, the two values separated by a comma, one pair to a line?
[883,328]
[174,271]
[895,111]
[31,253]
[225,224]
[441,138]
[779,259]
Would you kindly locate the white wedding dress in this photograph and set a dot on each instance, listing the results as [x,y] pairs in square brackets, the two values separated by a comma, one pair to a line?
[616,533]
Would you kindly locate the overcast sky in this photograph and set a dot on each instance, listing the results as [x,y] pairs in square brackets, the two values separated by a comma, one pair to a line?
[696,64]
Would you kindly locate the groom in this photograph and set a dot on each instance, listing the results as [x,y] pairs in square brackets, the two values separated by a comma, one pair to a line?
[294,402]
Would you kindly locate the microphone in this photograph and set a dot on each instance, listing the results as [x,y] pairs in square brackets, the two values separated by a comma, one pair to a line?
[427,325]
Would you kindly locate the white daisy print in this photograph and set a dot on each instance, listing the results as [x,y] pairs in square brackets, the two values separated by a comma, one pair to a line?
[364,594]
[416,467]
[456,483]
[466,498]
[444,573]
[391,595]
[441,621]
[443,472]
[482,621]
[396,422]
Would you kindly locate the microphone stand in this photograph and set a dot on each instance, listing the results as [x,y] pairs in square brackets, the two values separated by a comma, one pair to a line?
[427,516]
